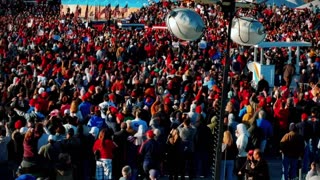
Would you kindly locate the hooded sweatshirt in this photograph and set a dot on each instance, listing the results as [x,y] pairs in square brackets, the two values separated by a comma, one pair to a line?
[242,135]
[193,115]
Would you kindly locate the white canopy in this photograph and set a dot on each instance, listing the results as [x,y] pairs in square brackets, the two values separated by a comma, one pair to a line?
[308,5]
[288,3]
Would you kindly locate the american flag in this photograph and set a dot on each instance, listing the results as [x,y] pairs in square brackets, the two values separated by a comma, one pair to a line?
[76,13]
[116,10]
[124,9]
[86,12]
[96,12]
[107,10]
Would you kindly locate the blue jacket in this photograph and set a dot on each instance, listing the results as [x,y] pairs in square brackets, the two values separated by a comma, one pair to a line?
[96,121]
[84,108]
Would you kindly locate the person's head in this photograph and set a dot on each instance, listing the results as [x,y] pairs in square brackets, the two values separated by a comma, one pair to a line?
[123,125]
[73,106]
[257,154]
[138,113]
[70,133]
[154,174]
[126,171]
[38,130]
[262,114]
[292,127]
[187,121]
[304,116]
[250,154]
[29,134]
[227,138]
[150,134]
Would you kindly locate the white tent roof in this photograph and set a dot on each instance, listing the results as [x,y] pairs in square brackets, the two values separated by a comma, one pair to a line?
[283,44]
[307,5]
[288,3]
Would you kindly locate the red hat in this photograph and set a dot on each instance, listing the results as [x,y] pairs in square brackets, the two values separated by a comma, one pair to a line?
[262,103]
[304,116]
[18,124]
[85,97]
[150,134]
[133,94]
[112,97]
[37,106]
[32,102]
[269,99]
[44,94]
[120,117]
[250,152]
[91,88]
[245,102]
[167,100]
[113,110]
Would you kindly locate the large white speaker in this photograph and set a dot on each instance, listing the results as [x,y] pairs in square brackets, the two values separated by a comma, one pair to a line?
[185,24]
[247,31]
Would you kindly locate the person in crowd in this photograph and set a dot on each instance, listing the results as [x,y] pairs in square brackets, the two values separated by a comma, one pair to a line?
[126,173]
[135,123]
[30,153]
[120,138]
[228,156]
[314,172]
[187,134]
[266,128]
[247,167]
[150,153]
[263,85]
[5,138]
[64,169]
[242,135]
[304,128]
[154,174]
[292,148]
[106,147]
[259,169]
[54,64]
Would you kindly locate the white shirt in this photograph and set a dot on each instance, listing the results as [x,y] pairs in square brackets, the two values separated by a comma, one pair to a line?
[137,122]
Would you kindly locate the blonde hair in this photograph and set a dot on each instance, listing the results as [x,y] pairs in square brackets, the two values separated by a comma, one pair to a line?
[74,106]
[227,138]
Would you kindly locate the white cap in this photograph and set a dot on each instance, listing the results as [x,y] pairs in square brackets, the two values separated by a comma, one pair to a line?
[23,130]
[41,90]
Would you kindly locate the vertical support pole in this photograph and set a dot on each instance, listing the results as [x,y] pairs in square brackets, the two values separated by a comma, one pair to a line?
[255,54]
[297,60]
[261,55]
[226,68]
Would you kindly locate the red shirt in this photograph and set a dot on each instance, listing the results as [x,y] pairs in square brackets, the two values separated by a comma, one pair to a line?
[105,150]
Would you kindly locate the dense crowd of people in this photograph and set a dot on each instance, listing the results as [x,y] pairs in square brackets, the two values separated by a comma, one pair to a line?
[79,102]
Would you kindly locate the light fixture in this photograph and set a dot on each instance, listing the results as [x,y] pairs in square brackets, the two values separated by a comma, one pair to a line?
[185,24]
[247,31]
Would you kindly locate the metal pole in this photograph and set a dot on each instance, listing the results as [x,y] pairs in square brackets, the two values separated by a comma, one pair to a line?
[224,94]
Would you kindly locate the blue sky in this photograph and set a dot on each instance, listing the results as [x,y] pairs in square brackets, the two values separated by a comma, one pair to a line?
[122,3]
